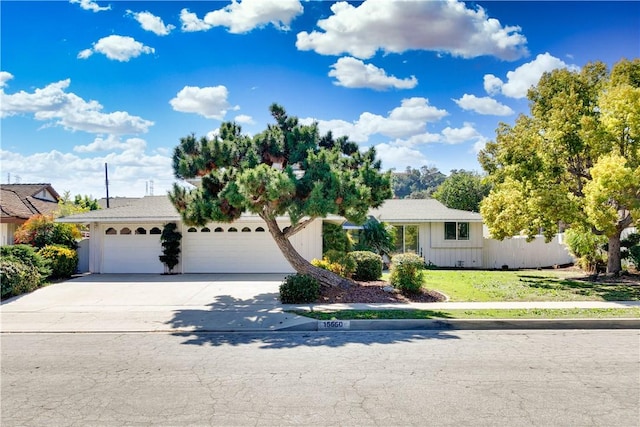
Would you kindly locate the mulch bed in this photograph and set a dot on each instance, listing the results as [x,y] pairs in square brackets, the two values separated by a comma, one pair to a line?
[372,292]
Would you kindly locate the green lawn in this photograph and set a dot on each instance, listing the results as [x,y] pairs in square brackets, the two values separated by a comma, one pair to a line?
[572,313]
[529,285]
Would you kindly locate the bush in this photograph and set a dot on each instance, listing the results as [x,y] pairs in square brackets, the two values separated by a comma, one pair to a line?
[341,263]
[407,271]
[42,230]
[335,238]
[62,260]
[299,289]
[587,247]
[27,255]
[634,254]
[368,265]
[17,278]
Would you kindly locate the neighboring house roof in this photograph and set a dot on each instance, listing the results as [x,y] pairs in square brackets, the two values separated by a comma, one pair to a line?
[420,210]
[21,201]
[148,208]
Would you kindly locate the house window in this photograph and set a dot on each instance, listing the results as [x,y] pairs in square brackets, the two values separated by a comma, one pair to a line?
[406,238]
[218,230]
[259,230]
[155,230]
[456,231]
[125,230]
[111,230]
[246,230]
[141,230]
[206,230]
[192,230]
[232,230]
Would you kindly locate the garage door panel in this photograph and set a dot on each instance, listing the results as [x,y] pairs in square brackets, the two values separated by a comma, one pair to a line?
[132,254]
[232,252]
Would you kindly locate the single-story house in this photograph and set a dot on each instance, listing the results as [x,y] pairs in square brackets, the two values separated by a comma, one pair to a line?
[126,239]
[19,202]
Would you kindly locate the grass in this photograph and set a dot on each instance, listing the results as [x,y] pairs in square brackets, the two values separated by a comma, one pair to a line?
[572,313]
[527,285]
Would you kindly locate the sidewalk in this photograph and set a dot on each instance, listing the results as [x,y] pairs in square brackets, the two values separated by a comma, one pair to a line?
[233,303]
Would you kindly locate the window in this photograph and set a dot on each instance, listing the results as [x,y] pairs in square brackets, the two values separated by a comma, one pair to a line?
[141,230]
[259,230]
[205,230]
[232,230]
[155,230]
[192,230]
[111,230]
[246,230]
[406,238]
[218,230]
[125,230]
[456,231]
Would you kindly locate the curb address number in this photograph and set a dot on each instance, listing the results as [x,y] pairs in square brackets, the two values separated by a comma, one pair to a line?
[333,324]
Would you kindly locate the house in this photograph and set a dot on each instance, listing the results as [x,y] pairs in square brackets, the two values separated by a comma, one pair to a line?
[19,202]
[126,239]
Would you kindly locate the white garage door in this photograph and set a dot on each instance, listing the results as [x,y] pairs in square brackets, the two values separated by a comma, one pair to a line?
[231,248]
[132,249]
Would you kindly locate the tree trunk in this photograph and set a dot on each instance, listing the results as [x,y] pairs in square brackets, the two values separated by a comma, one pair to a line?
[614,264]
[301,265]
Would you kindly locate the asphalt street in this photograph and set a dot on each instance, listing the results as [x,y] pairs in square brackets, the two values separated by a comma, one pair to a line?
[426,378]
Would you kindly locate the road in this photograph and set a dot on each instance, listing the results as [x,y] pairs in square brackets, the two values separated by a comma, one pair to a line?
[437,378]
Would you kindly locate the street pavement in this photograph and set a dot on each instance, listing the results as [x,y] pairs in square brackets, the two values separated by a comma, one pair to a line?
[234,303]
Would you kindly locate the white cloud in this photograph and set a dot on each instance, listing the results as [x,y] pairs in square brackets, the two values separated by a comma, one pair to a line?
[243,118]
[492,84]
[243,16]
[4,78]
[119,48]
[398,26]
[353,73]
[90,5]
[150,22]
[191,22]
[111,143]
[484,105]
[210,102]
[520,80]
[408,119]
[53,103]
[459,135]
[398,157]
[129,171]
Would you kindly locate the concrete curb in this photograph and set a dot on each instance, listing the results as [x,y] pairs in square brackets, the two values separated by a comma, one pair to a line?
[462,324]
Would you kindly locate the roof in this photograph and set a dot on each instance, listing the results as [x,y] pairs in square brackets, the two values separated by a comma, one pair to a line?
[22,201]
[420,210]
[160,209]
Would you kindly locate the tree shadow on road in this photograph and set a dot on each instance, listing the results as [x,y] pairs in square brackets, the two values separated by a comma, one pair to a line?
[257,320]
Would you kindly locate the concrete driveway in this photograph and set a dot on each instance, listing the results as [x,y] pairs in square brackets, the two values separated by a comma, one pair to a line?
[137,302]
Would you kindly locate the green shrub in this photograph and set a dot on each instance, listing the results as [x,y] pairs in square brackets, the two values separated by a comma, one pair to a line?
[407,272]
[341,263]
[299,289]
[587,247]
[42,230]
[634,254]
[27,255]
[62,260]
[368,265]
[335,238]
[17,278]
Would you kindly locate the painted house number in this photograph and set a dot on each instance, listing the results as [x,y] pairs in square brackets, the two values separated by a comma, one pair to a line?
[333,324]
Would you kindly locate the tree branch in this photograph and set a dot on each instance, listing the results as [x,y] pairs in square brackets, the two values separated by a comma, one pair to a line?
[290,231]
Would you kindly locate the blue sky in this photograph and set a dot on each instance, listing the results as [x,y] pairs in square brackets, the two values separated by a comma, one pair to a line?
[86,82]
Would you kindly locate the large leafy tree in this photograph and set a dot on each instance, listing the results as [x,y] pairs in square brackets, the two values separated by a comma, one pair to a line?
[574,160]
[288,169]
[463,190]
[416,183]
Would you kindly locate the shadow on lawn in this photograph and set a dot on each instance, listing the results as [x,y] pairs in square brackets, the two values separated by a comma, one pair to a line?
[232,314]
[605,290]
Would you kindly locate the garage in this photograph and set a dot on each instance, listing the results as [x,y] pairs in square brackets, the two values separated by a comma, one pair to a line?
[231,248]
[132,249]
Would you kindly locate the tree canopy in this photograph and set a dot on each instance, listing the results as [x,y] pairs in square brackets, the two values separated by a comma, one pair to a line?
[289,170]
[573,160]
[417,183]
[463,190]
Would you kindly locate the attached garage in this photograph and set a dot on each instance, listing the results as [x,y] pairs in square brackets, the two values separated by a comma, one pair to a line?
[126,239]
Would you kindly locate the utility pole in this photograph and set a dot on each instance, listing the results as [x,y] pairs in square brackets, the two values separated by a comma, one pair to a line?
[106,182]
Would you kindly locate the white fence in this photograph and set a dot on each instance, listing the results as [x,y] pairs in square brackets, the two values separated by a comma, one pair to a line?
[516,252]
